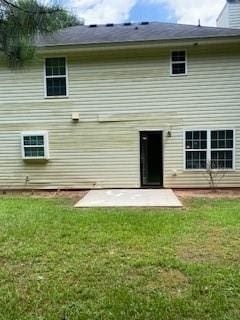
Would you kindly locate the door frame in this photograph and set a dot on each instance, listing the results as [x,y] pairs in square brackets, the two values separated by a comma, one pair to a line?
[163,158]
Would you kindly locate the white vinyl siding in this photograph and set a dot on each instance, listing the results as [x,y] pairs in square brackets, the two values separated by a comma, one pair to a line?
[230,16]
[117,94]
[223,18]
[234,15]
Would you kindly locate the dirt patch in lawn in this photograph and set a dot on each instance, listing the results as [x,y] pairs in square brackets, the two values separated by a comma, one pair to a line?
[174,281]
[74,196]
[214,246]
[207,193]
[170,281]
[149,278]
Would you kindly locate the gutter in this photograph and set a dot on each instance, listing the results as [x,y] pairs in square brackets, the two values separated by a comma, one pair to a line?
[138,44]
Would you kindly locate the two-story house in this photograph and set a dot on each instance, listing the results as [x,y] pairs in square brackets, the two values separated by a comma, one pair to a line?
[125,106]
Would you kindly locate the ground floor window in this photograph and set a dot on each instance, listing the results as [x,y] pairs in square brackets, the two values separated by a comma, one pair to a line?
[209,148]
[35,145]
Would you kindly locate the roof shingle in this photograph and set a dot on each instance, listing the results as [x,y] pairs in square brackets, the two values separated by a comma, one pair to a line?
[135,32]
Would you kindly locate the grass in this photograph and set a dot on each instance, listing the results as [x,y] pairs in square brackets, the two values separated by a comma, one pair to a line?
[62,263]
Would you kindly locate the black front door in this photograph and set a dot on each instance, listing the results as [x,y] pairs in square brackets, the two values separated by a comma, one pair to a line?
[151,143]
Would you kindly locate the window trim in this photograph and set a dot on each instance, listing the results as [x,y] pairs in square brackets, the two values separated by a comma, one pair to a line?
[46,77]
[46,144]
[208,150]
[173,62]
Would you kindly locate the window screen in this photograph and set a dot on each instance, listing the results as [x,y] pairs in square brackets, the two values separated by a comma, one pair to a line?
[196,149]
[56,79]
[34,145]
[206,148]
[222,143]
[178,63]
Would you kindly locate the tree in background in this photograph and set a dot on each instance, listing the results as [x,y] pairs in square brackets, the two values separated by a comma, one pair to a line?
[22,20]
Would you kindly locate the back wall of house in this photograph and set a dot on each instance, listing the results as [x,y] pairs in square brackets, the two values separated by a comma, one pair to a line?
[117,94]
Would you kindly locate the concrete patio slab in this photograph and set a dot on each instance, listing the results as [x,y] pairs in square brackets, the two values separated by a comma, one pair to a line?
[130,198]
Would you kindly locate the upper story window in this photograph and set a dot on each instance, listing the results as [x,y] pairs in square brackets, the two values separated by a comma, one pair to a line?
[56,77]
[214,148]
[178,63]
[35,145]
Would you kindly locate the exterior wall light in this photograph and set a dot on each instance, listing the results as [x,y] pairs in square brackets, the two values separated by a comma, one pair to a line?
[169,134]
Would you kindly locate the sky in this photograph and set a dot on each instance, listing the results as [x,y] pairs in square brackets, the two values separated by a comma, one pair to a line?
[118,11]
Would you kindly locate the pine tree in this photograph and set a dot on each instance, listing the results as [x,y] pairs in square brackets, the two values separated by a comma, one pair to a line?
[21,21]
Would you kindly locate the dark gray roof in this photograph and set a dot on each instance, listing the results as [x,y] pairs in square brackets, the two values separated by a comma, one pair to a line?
[136,32]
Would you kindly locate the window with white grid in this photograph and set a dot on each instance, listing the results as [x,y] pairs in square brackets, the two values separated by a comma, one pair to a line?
[35,145]
[178,63]
[196,149]
[222,149]
[209,147]
[56,77]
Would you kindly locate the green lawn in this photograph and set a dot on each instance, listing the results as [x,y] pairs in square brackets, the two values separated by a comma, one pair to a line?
[62,263]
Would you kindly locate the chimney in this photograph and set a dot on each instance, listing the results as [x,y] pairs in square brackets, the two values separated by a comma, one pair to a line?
[230,15]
